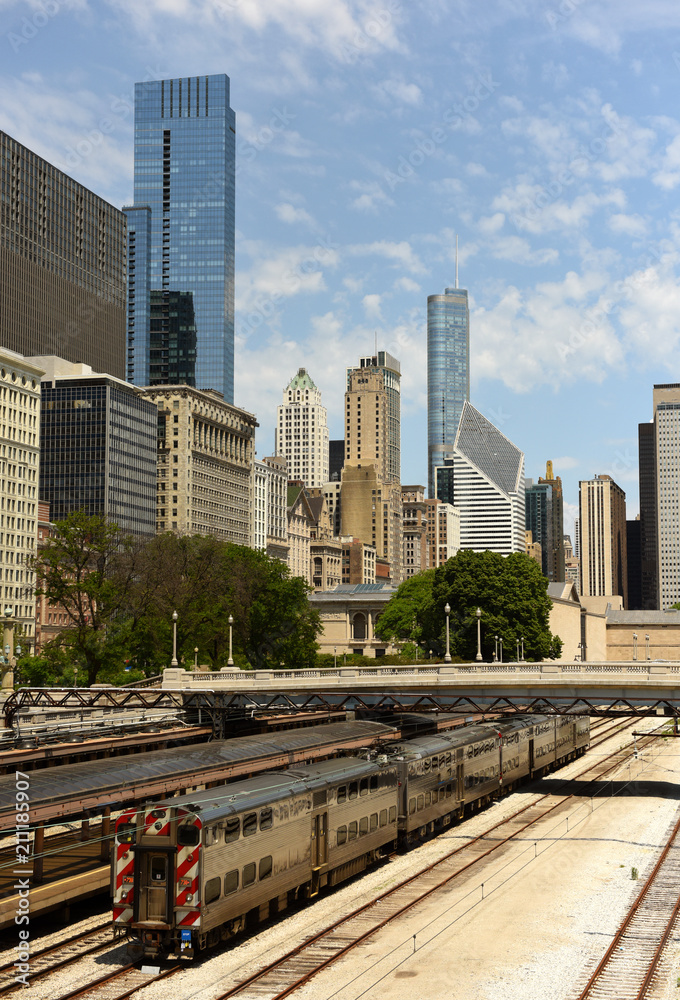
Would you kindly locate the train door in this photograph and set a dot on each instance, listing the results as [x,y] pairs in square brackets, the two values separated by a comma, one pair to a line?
[156,883]
[319,847]
[531,752]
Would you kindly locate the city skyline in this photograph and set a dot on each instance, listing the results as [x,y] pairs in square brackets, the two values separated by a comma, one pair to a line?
[551,151]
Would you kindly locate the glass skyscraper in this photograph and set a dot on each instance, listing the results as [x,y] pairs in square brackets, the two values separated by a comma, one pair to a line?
[448,374]
[181,231]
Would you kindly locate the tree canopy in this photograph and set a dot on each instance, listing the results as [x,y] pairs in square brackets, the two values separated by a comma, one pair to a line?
[119,597]
[510,591]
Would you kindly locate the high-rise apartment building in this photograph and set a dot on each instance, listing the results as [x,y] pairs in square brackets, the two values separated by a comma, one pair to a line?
[488,471]
[448,374]
[415,530]
[181,235]
[301,435]
[539,521]
[659,505]
[62,264]
[371,491]
[98,446]
[205,464]
[19,479]
[443,531]
[602,518]
[555,561]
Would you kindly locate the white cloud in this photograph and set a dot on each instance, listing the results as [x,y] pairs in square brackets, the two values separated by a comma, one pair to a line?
[629,225]
[371,198]
[399,90]
[288,213]
[400,254]
[371,304]
[565,462]
[405,284]
[276,276]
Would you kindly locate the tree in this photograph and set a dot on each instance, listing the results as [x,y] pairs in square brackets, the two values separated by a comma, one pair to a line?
[84,568]
[510,590]
[404,615]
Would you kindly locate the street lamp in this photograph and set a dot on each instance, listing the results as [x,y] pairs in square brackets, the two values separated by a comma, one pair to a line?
[173,662]
[478,612]
[447,612]
[500,644]
[335,657]
[647,645]
[230,661]
[522,641]
[517,644]
[195,657]
[635,645]
[495,647]
[75,677]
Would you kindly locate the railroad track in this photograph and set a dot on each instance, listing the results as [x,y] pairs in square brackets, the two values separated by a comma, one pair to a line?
[283,976]
[58,955]
[119,985]
[630,965]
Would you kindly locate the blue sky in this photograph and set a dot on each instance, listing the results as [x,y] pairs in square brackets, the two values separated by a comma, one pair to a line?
[547,135]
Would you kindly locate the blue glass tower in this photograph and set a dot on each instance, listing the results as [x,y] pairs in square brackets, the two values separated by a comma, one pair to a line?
[181,230]
[448,374]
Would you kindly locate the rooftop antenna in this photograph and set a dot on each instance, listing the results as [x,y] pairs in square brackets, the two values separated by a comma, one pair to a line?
[456,260]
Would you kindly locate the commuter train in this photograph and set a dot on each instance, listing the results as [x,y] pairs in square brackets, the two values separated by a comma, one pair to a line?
[195,869]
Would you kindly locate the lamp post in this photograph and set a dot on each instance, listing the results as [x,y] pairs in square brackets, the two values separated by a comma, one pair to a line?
[647,645]
[478,612]
[495,648]
[335,657]
[635,645]
[75,677]
[17,654]
[500,645]
[230,661]
[195,657]
[517,644]
[173,661]
[447,612]
[522,642]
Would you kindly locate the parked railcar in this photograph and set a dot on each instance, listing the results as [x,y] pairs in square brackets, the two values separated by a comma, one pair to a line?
[196,869]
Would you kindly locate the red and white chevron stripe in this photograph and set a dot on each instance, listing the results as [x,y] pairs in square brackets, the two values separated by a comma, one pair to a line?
[125,866]
[187,867]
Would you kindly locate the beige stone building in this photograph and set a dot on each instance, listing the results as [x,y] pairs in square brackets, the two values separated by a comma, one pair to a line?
[533,549]
[348,616]
[358,561]
[414,530]
[300,521]
[602,521]
[206,456]
[442,532]
[302,431]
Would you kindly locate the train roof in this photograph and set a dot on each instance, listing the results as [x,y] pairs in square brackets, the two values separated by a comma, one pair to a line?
[214,804]
[424,746]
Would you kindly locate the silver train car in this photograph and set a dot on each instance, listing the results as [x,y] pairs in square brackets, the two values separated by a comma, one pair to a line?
[196,869]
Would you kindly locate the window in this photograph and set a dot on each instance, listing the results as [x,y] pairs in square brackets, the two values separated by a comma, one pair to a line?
[126,833]
[363,787]
[421,802]
[265,867]
[363,825]
[249,824]
[428,798]
[374,821]
[231,882]
[212,890]
[188,836]
[232,829]
[374,783]
[353,790]
[352,832]
[211,836]
[249,874]
[342,834]
[383,817]
[266,819]
[411,806]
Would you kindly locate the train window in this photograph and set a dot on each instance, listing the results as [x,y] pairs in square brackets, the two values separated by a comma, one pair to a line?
[249,824]
[125,834]
[421,802]
[374,821]
[231,882]
[342,794]
[383,817]
[353,790]
[449,790]
[352,831]
[426,766]
[319,799]
[442,760]
[249,874]
[188,836]
[211,836]
[363,786]
[342,834]
[232,829]
[265,867]
[212,890]
[411,806]
[159,869]
[393,814]
[363,825]
[448,759]
[266,819]
[374,783]
[428,798]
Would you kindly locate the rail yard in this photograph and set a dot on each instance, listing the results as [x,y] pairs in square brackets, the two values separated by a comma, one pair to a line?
[520,899]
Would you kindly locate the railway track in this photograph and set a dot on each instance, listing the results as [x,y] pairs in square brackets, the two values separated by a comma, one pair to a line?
[57,956]
[119,985]
[291,971]
[630,966]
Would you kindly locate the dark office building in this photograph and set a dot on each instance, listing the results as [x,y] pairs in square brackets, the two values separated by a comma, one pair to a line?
[649,578]
[444,482]
[98,447]
[634,564]
[539,520]
[556,567]
[336,460]
[62,265]
[172,340]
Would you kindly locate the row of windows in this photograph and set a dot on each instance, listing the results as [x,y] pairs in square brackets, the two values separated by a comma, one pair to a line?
[235,826]
[419,802]
[251,871]
[357,788]
[366,824]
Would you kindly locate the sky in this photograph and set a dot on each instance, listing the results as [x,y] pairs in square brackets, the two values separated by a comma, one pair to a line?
[371,132]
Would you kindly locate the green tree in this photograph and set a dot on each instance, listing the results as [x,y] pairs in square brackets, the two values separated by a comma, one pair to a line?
[84,567]
[510,590]
[405,614]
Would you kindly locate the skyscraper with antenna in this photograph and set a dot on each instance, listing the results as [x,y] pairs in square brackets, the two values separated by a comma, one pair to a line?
[448,373]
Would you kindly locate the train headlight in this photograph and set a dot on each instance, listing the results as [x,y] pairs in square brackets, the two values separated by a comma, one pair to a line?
[123,896]
[189,897]
[158,825]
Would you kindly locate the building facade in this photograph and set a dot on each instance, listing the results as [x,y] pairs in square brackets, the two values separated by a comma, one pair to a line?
[414,530]
[649,571]
[19,488]
[555,562]
[181,233]
[301,435]
[448,374]
[205,464]
[488,486]
[62,261]
[539,521]
[602,519]
[98,447]
[443,532]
